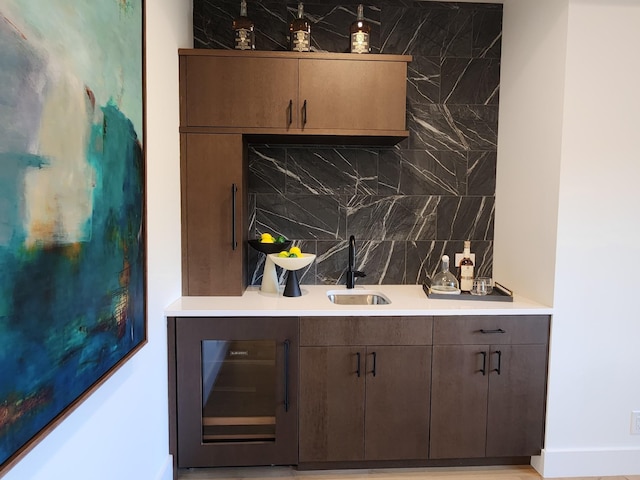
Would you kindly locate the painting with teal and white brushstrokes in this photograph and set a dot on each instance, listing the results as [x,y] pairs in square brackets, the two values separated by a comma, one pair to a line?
[72,235]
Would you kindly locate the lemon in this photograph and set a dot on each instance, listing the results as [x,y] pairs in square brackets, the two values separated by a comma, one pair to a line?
[266,238]
[283,253]
[295,250]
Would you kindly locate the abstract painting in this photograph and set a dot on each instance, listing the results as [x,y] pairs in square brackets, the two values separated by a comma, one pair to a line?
[72,212]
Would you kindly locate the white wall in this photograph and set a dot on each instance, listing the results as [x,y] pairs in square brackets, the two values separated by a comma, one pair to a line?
[121,431]
[529,145]
[593,385]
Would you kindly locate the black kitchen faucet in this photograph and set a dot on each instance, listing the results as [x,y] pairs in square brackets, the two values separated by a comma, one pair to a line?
[351,272]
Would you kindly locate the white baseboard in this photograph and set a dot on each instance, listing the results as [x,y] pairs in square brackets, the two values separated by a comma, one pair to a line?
[587,463]
[166,471]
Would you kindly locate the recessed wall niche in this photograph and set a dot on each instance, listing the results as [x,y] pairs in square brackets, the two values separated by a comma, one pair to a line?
[406,205]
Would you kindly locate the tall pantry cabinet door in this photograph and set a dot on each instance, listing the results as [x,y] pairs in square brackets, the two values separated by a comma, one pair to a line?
[352,95]
[239,91]
[515,420]
[331,408]
[214,224]
[459,401]
[397,402]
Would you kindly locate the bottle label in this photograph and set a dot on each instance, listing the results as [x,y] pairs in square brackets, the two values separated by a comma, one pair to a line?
[301,41]
[466,278]
[243,39]
[359,42]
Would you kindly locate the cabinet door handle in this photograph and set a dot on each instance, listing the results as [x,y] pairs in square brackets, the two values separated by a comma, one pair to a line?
[290,112]
[358,370]
[374,363]
[304,113]
[484,363]
[497,330]
[234,191]
[286,375]
[499,362]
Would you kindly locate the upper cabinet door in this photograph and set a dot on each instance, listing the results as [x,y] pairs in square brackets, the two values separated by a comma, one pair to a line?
[352,94]
[232,92]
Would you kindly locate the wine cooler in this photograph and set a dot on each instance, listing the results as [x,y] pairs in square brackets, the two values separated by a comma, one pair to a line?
[236,391]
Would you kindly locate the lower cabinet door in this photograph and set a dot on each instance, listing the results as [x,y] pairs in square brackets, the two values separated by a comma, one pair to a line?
[459,401]
[397,402]
[517,386]
[487,401]
[331,404]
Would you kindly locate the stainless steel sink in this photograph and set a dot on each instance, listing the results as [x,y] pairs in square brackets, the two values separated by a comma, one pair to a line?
[361,297]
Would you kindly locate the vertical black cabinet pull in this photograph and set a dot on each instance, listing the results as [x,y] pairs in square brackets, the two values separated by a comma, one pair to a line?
[358,370]
[286,375]
[499,362]
[234,242]
[290,112]
[374,364]
[304,113]
[484,363]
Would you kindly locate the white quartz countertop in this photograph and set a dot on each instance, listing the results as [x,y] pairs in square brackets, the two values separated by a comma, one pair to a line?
[406,300]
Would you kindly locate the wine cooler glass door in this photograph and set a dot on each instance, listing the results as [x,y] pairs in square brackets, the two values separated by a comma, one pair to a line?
[238,391]
[236,396]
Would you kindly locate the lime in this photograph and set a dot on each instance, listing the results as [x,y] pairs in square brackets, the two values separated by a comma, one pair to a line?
[280,239]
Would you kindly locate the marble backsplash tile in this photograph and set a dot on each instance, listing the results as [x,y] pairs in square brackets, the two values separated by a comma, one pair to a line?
[406,205]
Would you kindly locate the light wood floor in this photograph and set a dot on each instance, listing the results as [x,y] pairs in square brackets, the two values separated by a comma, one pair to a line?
[458,473]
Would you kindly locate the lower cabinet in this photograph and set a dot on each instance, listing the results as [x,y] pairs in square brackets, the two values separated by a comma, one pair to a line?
[489,386]
[353,391]
[235,398]
[364,388]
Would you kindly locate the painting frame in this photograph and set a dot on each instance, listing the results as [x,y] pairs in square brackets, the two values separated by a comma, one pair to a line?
[102,317]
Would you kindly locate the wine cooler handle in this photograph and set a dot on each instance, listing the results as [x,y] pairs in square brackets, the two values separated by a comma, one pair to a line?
[358,370]
[290,112]
[374,363]
[304,113]
[499,362]
[234,191]
[497,330]
[286,375]
[484,363]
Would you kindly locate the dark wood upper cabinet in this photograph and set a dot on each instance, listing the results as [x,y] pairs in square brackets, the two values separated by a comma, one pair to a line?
[214,214]
[238,91]
[352,95]
[342,97]
[229,98]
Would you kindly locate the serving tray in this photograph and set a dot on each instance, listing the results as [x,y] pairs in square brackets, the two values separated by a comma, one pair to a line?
[500,293]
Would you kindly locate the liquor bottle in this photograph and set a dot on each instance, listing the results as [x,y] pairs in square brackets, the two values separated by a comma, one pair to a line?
[444,281]
[300,32]
[360,31]
[244,36]
[466,268]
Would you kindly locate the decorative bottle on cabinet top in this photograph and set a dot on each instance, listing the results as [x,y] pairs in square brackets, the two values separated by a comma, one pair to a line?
[300,32]
[243,34]
[466,268]
[360,31]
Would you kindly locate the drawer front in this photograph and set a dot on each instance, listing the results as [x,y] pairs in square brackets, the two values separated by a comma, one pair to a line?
[325,331]
[496,330]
